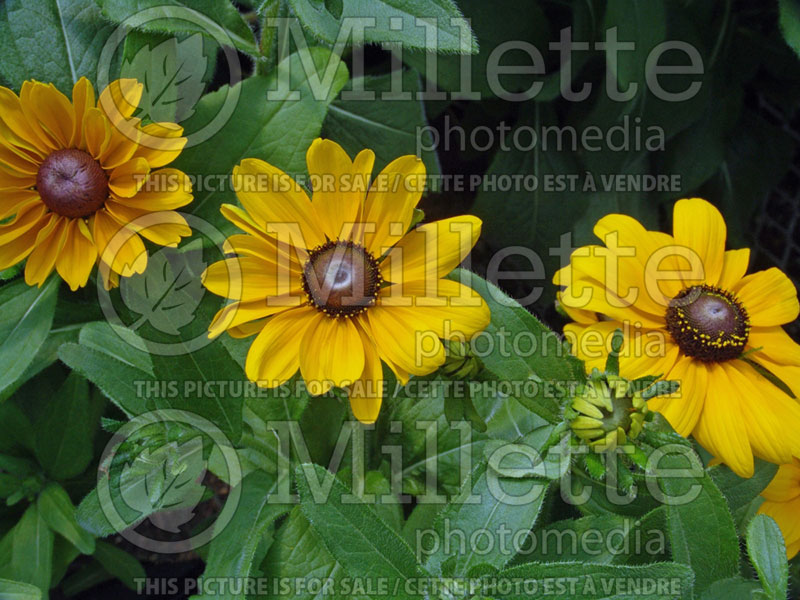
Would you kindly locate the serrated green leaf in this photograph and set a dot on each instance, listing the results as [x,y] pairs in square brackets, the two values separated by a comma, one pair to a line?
[353,533]
[715,554]
[487,504]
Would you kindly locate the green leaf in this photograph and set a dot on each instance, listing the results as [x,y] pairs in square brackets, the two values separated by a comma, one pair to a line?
[740,492]
[392,21]
[212,18]
[351,531]
[714,555]
[790,22]
[64,435]
[389,127]
[277,129]
[112,364]
[233,552]
[120,564]
[767,552]
[735,587]
[607,582]
[31,551]
[489,505]
[543,368]
[168,293]
[644,24]
[51,40]
[26,314]
[496,23]
[58,512]
[15,590]
[173,73]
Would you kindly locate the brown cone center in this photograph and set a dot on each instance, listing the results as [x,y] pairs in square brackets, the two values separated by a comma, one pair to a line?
[341,279]
[71,183]
[708,323]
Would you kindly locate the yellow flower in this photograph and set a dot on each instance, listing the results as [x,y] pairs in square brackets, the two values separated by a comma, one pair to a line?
[75,175]
[335,286]
[782,503]
[689,313]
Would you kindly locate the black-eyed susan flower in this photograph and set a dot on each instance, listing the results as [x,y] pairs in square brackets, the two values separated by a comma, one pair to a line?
[690,313]
[782,503]
[337,284]
[75,175]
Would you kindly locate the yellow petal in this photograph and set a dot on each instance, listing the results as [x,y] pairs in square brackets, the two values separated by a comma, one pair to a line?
[734,267]
[769,297]
[339,184]
[697,224]
[77,259]
[160,143]
[331,355]
[32,103]
[277,203]
[54,112]
[721,428]
[236,314]
[96,132]
[414,351]
[122,145]
[165,189]
[120,99]
[49,244]
[118,247]
[15,201]
[449,309]
[785,515]
[16,128]
[366,394]
[431,251]
[632,265]
[165,228]
[770,434]
[390,203]
[273,357]
[785,485]
[250,278]
[83,100]
[683,410]
[25,220]
[775,344]
[127,179]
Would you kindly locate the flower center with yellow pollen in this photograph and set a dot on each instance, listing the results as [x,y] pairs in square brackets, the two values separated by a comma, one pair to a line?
[708,323]
[341,279]
[72,184]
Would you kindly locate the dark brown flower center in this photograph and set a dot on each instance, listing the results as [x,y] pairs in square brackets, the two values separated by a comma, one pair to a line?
[71,183]
[708,323]
[341,279]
